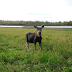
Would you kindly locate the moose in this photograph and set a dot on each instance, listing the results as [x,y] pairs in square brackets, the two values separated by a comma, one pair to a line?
[34,37]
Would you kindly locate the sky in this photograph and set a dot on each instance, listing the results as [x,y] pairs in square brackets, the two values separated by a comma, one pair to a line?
[36,10]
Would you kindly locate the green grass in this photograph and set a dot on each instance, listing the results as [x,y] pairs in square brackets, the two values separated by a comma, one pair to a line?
[55,57]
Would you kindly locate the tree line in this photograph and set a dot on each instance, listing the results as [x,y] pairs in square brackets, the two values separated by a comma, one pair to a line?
[31,23]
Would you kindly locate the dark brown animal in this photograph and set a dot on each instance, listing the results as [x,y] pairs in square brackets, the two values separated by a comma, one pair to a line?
[34,37]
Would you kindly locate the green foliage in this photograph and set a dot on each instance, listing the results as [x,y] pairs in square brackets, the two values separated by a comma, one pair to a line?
[38,23]
[55,57]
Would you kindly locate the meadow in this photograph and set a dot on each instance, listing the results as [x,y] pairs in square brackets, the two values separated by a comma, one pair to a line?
[56,55]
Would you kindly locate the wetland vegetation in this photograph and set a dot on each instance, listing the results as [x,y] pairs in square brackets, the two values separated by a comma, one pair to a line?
[55,57]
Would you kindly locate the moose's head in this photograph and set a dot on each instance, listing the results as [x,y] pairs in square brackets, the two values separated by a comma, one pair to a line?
[39,29]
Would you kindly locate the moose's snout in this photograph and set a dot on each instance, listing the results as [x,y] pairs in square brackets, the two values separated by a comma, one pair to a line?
[40,33]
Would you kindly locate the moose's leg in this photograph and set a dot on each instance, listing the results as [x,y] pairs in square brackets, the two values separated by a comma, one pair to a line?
[40,45]
[27,46]
[35,45]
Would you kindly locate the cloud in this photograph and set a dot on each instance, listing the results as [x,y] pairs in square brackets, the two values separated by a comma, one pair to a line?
[36,14]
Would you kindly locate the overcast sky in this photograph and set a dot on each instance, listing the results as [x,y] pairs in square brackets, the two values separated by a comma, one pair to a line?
[36,10]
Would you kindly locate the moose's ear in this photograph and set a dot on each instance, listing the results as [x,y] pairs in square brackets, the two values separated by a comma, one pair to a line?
[35,26]
[42,26]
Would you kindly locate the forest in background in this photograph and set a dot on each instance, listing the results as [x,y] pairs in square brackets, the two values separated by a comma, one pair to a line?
[31,23]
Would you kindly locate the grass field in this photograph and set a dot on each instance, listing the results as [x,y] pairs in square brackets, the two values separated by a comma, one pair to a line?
[55,57]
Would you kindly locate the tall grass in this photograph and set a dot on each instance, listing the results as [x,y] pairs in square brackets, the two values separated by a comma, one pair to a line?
[55,57]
